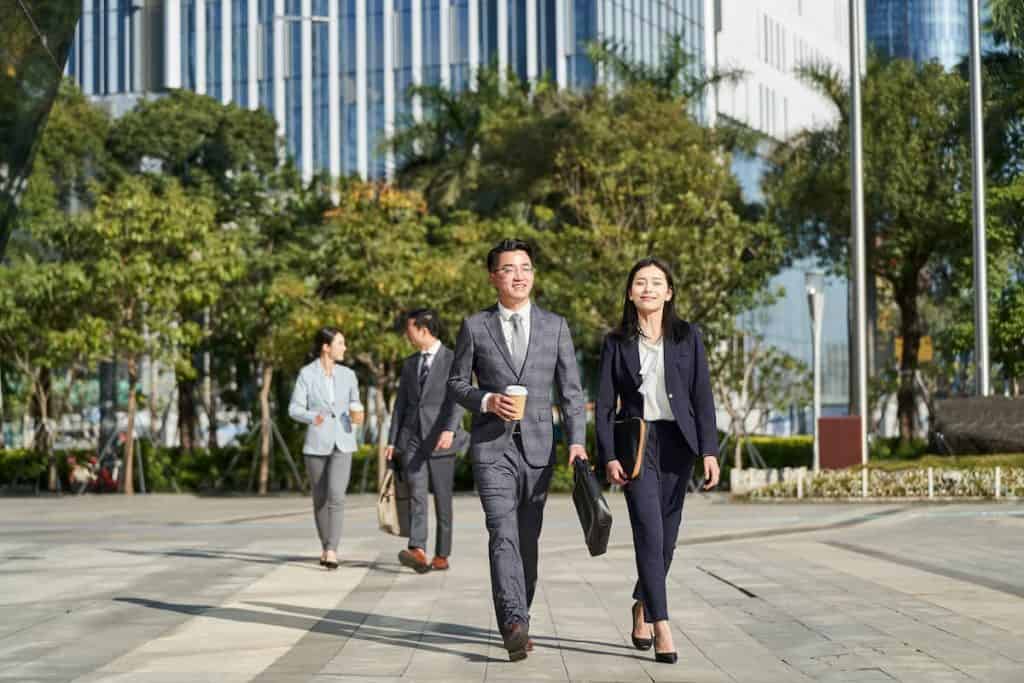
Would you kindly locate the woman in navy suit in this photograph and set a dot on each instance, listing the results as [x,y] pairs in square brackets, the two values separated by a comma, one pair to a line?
[655,366]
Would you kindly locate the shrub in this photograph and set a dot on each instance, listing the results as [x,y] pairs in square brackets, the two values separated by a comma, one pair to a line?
[971,482]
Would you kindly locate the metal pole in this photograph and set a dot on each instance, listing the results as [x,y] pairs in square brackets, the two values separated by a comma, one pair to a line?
[815,285]
[980,252]
[818,303]
[857,231]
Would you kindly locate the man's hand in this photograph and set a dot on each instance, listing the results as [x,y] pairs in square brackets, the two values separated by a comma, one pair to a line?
[502,406]
[711,472]
[444,442]
[318,420]
[615,473]
[389,452]
[576,452]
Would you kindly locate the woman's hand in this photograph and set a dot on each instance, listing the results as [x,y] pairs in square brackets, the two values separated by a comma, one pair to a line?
[615,473]
[711,472]
[318,420]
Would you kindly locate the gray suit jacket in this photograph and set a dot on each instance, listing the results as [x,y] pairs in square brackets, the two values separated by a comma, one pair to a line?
[425,414]
[310,398]
[550,363]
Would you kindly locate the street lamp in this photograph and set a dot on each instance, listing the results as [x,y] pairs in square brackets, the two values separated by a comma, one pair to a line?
[814,284]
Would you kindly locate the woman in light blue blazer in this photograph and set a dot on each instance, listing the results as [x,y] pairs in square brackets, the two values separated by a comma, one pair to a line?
[326,397]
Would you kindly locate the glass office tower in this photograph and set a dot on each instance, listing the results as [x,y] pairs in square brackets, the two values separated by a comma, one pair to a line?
[921,30]
[334,73]
[33,51]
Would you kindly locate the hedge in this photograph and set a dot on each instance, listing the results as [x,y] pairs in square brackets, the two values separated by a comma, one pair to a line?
[963,482]
[173,470]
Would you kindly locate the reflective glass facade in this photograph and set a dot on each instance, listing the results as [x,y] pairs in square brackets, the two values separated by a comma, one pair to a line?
[921,30]
[33,53]
[335,74]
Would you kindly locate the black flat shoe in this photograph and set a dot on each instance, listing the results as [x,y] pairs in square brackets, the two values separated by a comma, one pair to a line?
[639,643]
[323,562]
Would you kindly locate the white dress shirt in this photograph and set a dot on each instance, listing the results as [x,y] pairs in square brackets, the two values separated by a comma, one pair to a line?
[429,358]
[328,384]
[505,315]
[652,388]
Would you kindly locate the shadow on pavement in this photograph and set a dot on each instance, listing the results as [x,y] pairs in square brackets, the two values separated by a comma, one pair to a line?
[409,633]
[258,558]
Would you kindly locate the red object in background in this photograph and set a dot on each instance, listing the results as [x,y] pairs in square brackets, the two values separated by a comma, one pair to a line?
[839,442]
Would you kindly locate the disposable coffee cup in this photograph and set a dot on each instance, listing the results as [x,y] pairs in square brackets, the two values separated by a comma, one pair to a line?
[356,410]
[518,395]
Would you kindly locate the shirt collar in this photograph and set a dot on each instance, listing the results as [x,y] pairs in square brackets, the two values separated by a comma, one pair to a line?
[524,312]
[434,348]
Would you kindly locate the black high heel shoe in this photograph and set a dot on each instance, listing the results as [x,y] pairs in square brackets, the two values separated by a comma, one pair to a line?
[639,643]
[664,657]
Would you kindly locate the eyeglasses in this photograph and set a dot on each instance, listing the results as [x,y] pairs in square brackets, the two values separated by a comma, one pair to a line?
[507,271]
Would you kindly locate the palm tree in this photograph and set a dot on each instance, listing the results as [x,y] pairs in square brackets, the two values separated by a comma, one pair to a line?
[1008,20]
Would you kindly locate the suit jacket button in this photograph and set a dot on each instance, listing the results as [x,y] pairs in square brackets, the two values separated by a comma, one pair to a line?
[670,395]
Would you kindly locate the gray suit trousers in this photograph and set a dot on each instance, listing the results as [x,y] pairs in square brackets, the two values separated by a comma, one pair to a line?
[328,477]
[513,494]
[424,471]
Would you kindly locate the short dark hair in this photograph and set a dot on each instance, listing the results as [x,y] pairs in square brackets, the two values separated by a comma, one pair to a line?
[507,245]
[425,317]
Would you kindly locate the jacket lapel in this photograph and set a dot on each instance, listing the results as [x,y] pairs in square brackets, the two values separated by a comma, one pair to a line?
[537,319]
[433,373]
[631,355]
[494,328]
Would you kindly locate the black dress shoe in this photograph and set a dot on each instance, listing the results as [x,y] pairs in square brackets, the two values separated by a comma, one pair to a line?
[639,643]
[664,657]
[517,641]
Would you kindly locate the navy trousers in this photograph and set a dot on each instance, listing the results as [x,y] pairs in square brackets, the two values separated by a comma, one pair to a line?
[655,503]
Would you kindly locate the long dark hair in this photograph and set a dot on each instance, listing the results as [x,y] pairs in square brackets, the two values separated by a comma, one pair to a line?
[671,325]
[325,335]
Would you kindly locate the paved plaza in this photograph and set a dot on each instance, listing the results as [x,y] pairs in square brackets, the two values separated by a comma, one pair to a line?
[179,588]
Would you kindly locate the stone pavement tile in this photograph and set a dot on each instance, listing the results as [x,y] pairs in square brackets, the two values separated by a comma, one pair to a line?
[163,677]
[866,675]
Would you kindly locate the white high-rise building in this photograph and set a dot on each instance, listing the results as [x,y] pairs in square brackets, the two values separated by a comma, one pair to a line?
[768,40]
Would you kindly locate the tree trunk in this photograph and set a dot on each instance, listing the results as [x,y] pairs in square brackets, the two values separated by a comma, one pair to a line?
[44,444]
[3,441]
[737,454]
[910,330]
[129,443]
[268,374]
[211,415]
[188,417]
[153,412]
[380,407]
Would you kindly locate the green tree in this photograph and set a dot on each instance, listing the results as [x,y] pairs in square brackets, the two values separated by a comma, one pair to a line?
[916,166]
[43,316]
[1008,20]
[45,328]
[265,322]
[622,194]
[147,250]
[381,253]
[217,152]
[754,377]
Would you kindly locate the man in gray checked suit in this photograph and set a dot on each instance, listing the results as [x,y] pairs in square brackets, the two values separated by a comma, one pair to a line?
[426,432]
[515,343]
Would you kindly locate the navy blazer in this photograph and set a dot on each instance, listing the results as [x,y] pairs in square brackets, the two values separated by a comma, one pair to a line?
[687,382]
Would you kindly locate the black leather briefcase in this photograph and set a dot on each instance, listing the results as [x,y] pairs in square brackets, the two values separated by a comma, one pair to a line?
[630,437]
[591,508]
